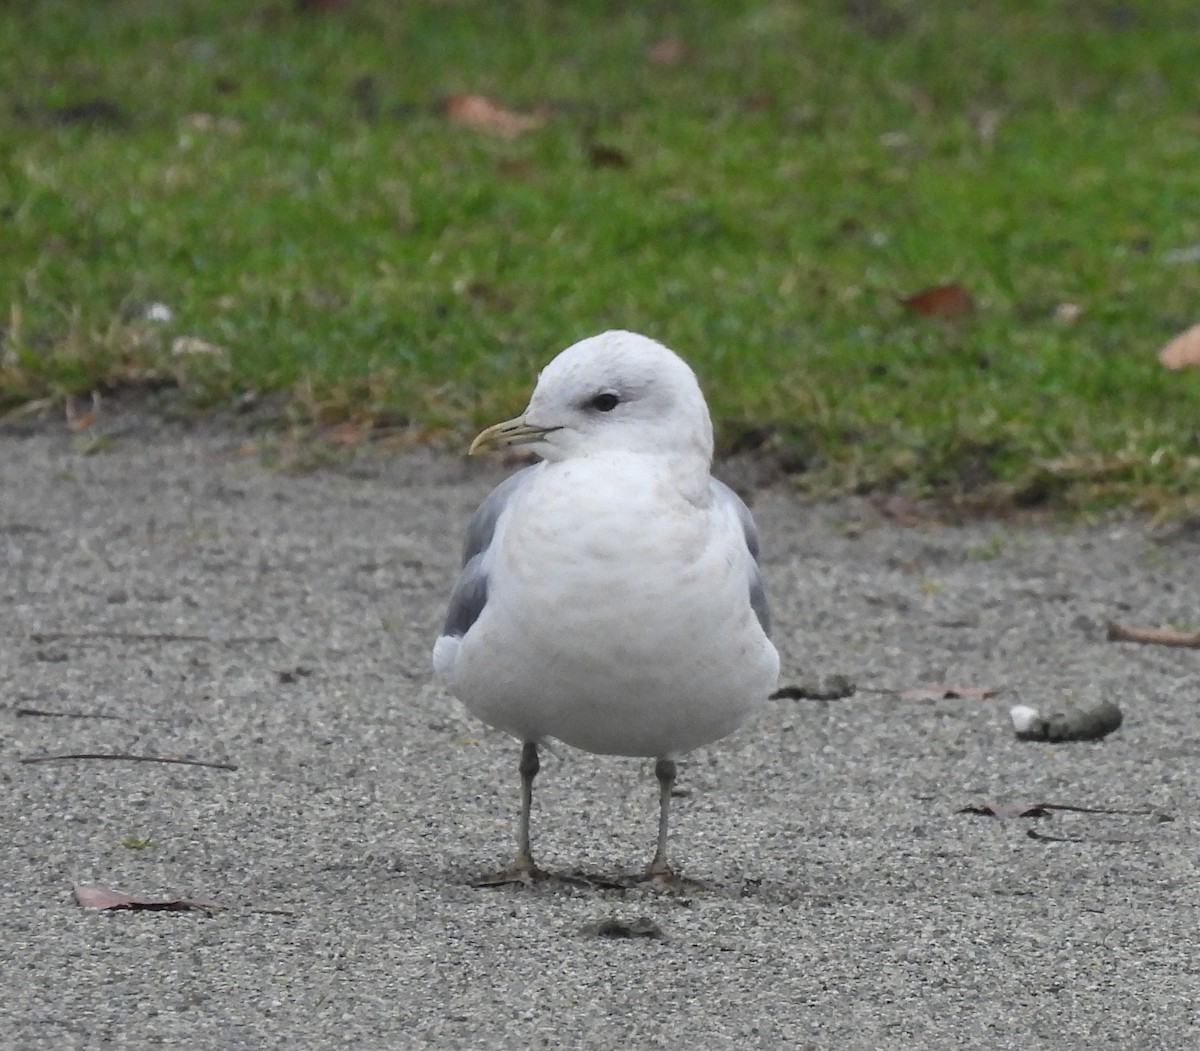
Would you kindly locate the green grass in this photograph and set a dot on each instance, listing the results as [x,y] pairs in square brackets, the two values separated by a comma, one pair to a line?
[287,183]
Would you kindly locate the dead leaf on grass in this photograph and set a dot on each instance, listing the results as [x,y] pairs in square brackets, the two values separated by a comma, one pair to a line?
[898,508]
[951,300]
[667,52]
[481,113]
[1152,636]
[79,421]
[1183,351]
[600,156]
[93,896]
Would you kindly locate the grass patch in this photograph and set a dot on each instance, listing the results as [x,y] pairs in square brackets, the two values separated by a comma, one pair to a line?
[287,183]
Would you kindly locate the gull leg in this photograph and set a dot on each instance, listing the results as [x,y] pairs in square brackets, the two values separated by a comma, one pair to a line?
[658,869]
[522,869]
[530,765]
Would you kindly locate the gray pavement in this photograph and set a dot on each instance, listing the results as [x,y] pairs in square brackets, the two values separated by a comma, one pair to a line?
[210,608]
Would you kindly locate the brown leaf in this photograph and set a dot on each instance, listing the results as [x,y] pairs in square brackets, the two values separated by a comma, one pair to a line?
[350,433]
[1152,636]
[1183,351]
[947,693]
[483,114]
[898,508]
[607,157]
[92,896]
[940,301]
[667,52]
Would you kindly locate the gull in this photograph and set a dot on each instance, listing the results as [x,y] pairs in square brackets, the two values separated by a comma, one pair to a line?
[610,595]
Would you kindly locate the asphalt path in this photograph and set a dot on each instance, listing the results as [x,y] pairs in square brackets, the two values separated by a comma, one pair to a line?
[167,595]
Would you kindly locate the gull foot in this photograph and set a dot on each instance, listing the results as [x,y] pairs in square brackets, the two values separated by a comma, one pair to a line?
[662,877]
[523,873]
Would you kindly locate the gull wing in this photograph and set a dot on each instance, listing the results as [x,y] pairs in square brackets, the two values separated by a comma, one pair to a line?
[470,590]
[727,498]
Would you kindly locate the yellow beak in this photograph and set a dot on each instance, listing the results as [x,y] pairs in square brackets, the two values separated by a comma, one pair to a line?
[509,433]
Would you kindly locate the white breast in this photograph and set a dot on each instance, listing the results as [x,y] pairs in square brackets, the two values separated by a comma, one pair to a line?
[618,616]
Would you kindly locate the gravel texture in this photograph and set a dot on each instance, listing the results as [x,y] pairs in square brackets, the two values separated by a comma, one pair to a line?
[169,596]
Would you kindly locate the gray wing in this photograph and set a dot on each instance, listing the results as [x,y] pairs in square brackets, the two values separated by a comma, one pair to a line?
[470,590]
[758,594]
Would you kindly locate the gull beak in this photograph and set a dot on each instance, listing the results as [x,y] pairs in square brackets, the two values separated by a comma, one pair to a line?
[507,434]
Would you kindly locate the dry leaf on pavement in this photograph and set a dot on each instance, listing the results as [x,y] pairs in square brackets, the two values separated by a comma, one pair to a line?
[93,896]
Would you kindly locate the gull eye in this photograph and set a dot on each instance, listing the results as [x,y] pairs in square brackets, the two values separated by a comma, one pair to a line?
[605,402]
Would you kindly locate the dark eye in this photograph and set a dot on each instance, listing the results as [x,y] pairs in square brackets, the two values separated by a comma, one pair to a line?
[605,402]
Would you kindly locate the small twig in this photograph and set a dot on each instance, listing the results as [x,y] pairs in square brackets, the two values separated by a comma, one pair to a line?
[1152,636]
[128,758]
[63,715]
[1033,833]
[149,636]
[817,688]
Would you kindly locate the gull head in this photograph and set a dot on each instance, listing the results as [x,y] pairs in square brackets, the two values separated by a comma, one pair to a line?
[615,392]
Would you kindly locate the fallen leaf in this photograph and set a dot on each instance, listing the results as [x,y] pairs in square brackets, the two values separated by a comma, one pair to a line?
[759,102]
[351,433]
[667,52]
[898,508]
[1152,636]
[607,157]
[92,896]
[79,421]
[1183,351]
[940,301]
[483,114]
[96,112]
[514,167]
[947,693]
